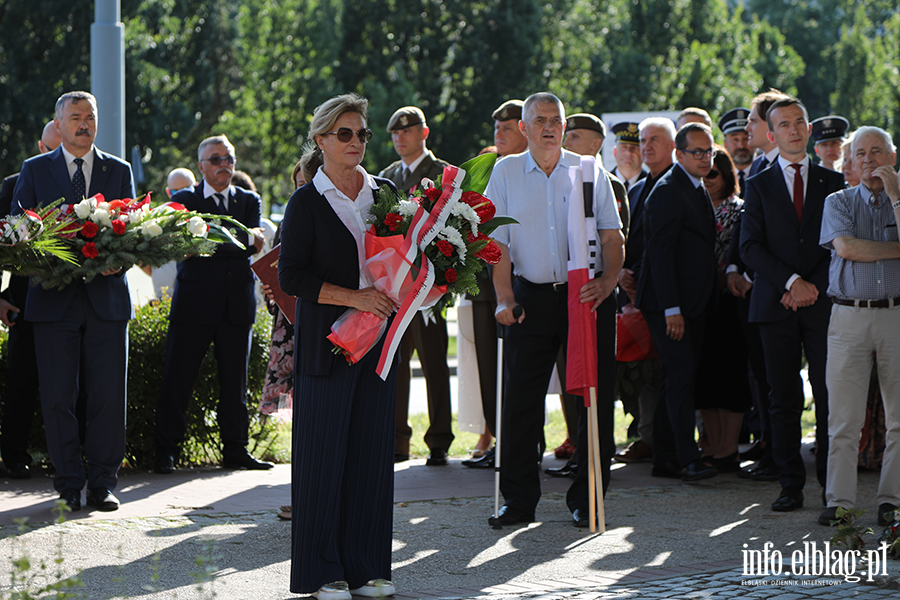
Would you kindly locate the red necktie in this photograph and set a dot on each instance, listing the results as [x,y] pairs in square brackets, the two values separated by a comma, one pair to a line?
[798,192]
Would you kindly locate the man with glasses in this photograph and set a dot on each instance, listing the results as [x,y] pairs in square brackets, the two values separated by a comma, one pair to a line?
[409,133]
[780,242]
[676,288]
[213,302]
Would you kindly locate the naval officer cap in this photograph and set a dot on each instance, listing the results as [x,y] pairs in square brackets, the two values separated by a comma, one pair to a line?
[734,120]
[406,117]
[511,109]
[832,127]
[627,133]
[586,121]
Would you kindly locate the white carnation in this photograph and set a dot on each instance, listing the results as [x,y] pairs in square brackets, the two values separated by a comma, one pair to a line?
[101,217]
[454,237]
[407,208]
[197,227]
[83,208]
[103,206]
[463,210]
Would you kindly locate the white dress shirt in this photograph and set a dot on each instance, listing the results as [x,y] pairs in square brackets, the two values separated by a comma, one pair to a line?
[86,169]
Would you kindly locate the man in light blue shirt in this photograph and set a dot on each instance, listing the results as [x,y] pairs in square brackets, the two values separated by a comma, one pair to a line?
[533,187]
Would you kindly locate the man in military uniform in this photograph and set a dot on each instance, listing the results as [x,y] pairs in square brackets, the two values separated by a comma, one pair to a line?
[629,167]
[732,126]
[828,134]
[507,137]
[409,133]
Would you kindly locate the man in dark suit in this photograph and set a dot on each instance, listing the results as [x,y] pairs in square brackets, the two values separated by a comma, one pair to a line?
[780,242]
[409,133]
[656,138]
[82,318]
[21,397]
[675,290]
[213,302]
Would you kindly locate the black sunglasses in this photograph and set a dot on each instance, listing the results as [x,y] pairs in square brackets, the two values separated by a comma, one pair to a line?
[712,174]
[218,160]
[345,134]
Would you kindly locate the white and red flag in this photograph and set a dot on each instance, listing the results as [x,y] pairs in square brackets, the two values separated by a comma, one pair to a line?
[581,352]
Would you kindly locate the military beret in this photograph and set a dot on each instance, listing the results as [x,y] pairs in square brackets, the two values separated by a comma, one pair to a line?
[511,109]
[406,117]
[585,121]
[734,120]
[829,128]
[626,133]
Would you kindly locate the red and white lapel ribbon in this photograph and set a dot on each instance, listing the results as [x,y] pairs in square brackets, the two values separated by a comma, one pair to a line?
[422,230]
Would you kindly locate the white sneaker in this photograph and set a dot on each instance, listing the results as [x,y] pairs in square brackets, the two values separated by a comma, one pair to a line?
[336,590]
[377,588]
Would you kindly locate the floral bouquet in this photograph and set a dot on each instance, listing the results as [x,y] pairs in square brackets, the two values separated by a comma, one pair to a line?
[108,236]
[422,251]
[30,238]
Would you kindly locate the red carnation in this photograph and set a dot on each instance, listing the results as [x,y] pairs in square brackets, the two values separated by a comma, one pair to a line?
[446,248]
[450,275]
[89,229]
[119,226]
[484,208]
[90,250]
[433,194]
[392,220]
[490,254]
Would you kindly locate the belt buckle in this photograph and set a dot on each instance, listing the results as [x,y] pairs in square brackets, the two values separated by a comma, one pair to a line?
[557,285]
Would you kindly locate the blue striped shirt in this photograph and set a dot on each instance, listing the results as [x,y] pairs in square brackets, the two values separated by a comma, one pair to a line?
[856,213]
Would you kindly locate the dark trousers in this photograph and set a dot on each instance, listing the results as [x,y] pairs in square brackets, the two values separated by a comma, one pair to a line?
[673,423]
[342,498]
[577,496]
[484,325]
[21,397]
[784,343]
[758,368]
[430,341]
[186,346]
[59,346]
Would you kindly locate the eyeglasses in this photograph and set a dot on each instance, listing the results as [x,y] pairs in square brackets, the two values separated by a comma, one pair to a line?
[345,134]
[712,174]
[699,154]
[218,160]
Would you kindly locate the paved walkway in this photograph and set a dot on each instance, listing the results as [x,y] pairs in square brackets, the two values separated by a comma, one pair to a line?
[210,532]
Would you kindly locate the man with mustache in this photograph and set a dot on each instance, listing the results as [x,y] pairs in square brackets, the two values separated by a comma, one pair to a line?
[213,302]
[88,320]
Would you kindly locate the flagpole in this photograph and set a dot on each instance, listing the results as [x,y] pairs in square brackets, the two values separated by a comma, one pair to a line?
[595,481]
[498,419]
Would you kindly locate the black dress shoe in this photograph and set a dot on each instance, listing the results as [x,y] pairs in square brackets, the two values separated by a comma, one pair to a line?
[581,518]
[669,468]
[761,471]
[165,464]
[245,461]
[102,499]
[697,471]
[727,464]
[437,458]
[19,471]
[886,509]
[570,469]
[510,516]
[829,517]
[72,498]
[485,462]
[788,500]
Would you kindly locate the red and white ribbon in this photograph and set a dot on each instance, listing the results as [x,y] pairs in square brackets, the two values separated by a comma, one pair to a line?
[422,231]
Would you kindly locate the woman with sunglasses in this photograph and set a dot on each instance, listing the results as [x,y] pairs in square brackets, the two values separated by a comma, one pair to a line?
[723,388]
[342,499]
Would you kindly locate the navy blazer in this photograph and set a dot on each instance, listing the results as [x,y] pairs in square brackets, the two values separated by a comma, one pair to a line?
[680,248]
[316,248]
[634,245]
[776,246]
[218,288]
[45,179]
